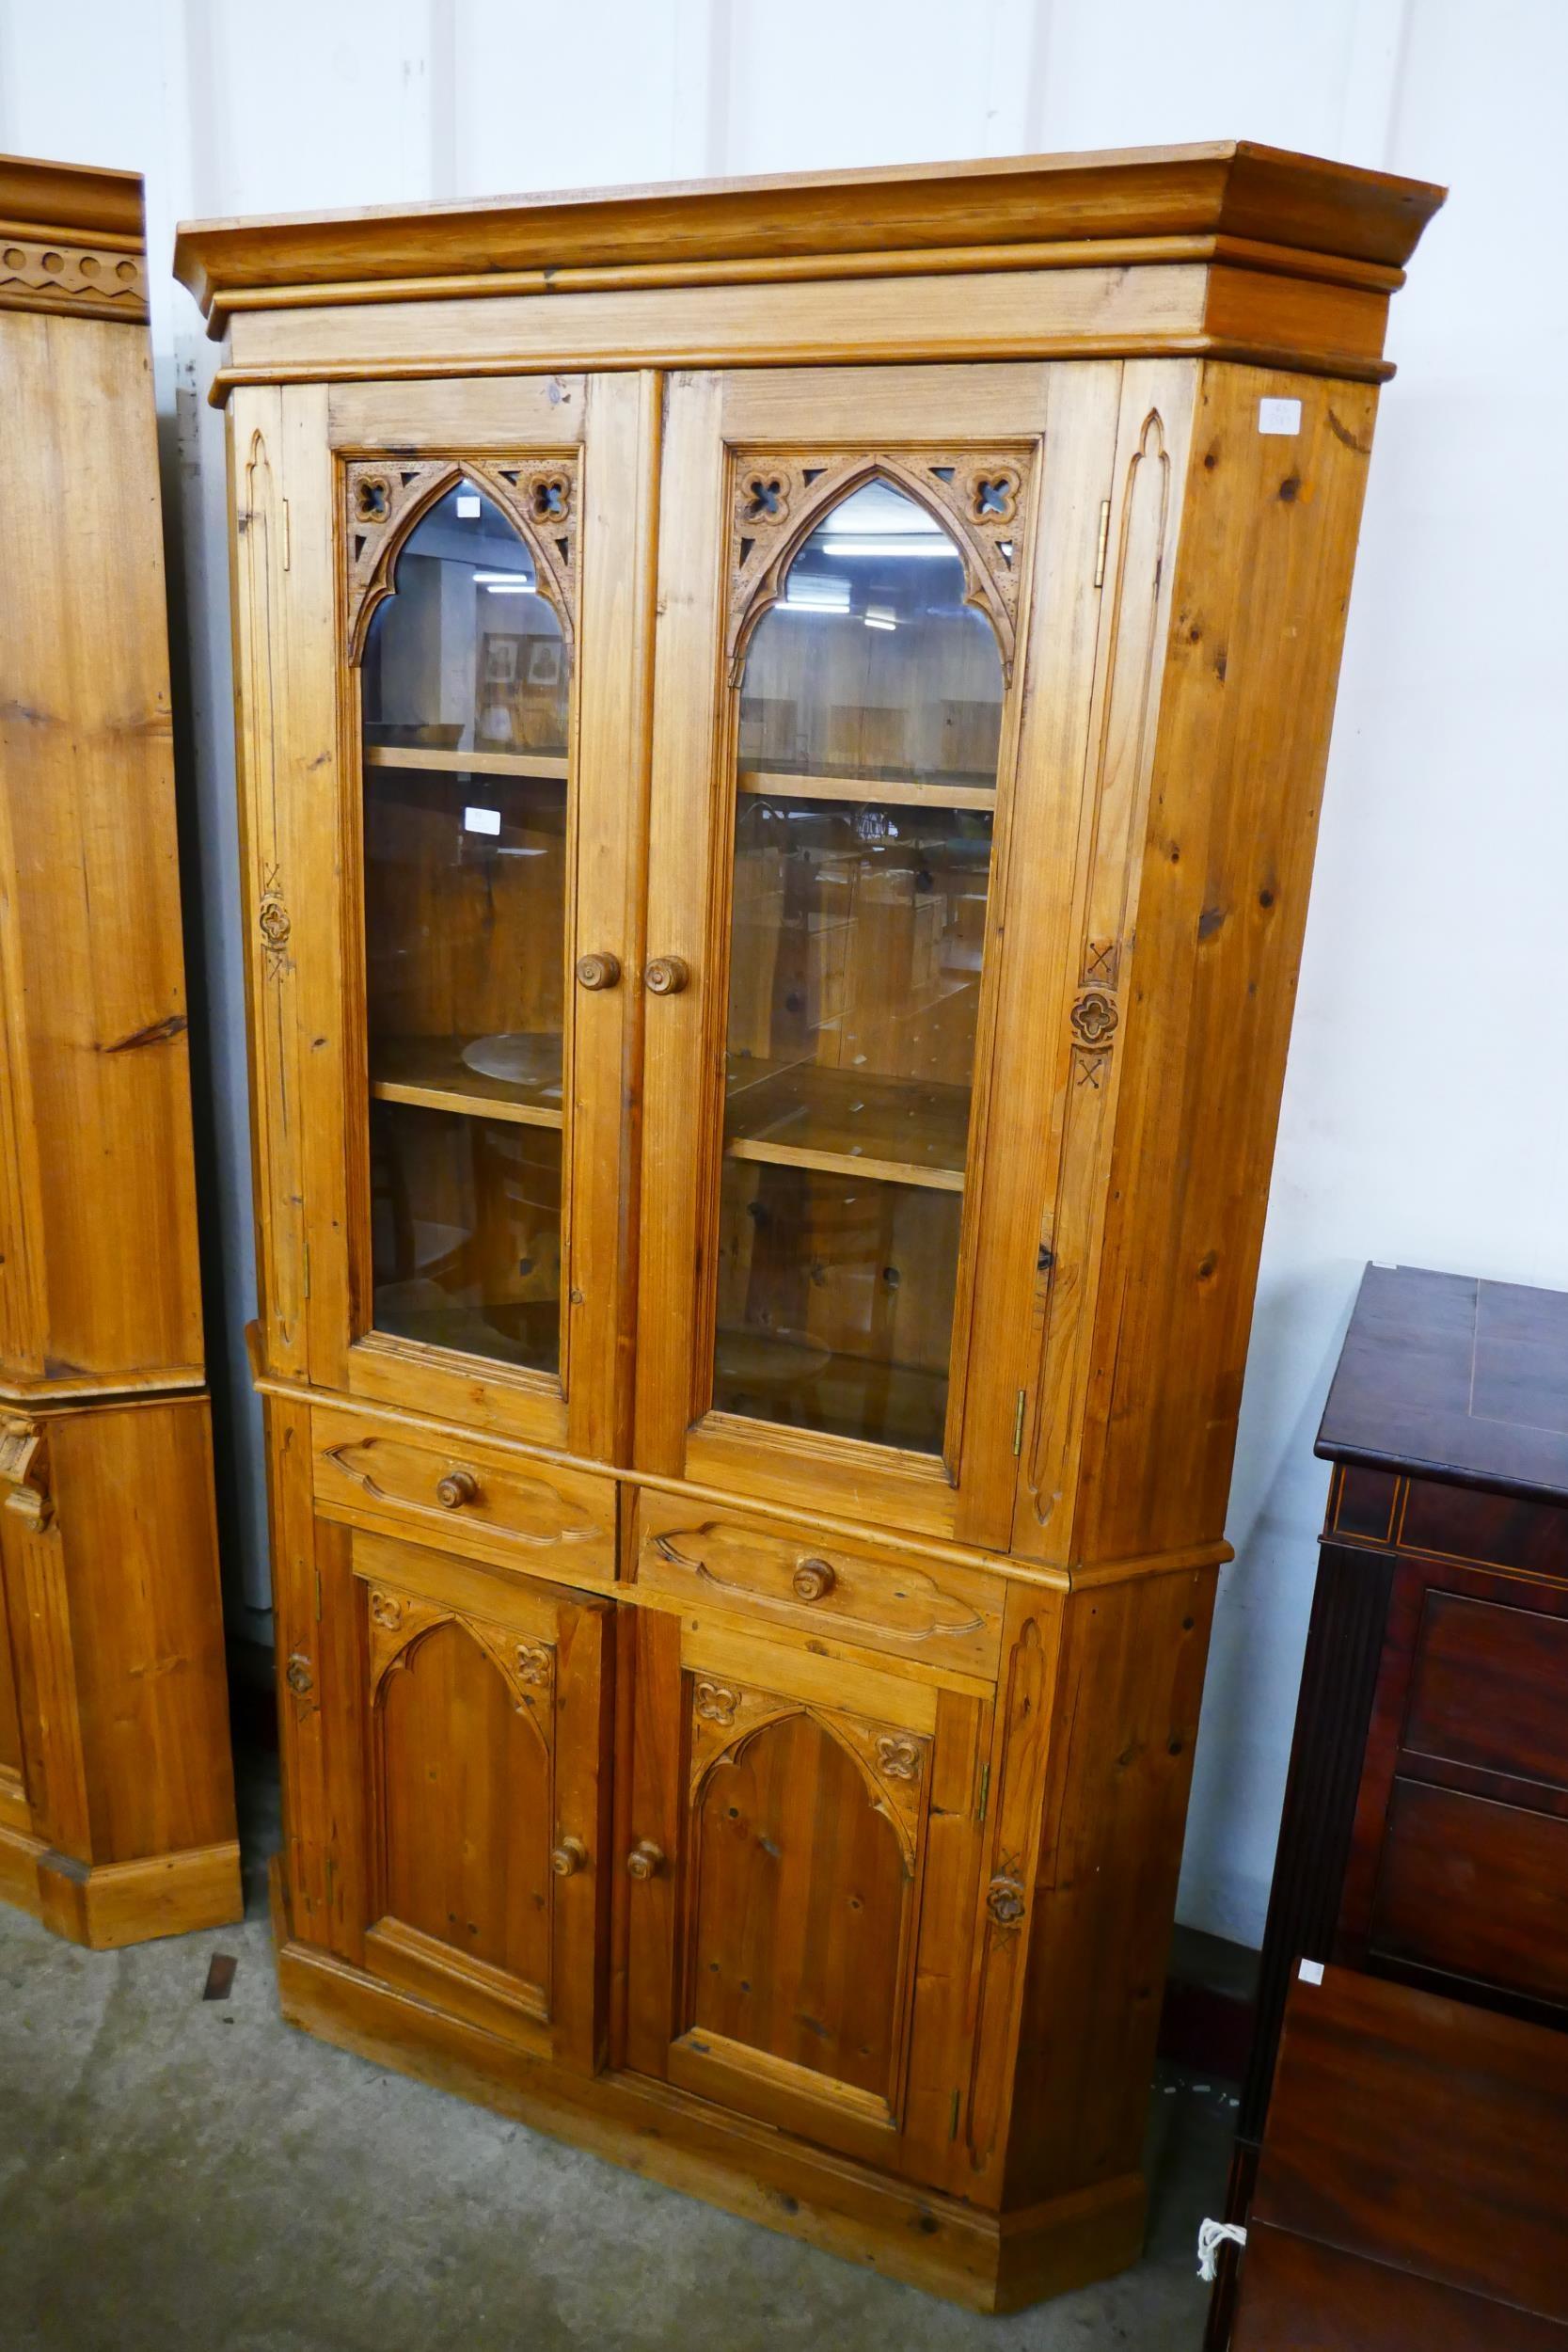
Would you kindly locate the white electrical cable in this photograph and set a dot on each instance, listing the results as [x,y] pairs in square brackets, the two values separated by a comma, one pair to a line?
[1210,2237]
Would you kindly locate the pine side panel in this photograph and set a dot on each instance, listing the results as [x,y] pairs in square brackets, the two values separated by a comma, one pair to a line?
[1030,936]
[1125,1724]
[137,1544]
[93,886]
[258,602]
[1081,995]
[1266,549]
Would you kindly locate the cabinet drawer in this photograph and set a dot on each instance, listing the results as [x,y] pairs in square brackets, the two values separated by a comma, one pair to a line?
[1476,1889]
[948,1615]
[465,1497]
[1490,1688]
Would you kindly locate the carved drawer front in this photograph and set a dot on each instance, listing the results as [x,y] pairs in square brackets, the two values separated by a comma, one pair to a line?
[465,1497]
[948,1614]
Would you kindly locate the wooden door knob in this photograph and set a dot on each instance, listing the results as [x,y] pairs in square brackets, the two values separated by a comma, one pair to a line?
[645,1860]
[598,971]
[813,1580]
[457,1487]
[569,1857]
[666,976]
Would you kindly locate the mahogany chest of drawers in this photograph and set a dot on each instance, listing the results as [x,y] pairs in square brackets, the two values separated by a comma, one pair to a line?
[1425,1828]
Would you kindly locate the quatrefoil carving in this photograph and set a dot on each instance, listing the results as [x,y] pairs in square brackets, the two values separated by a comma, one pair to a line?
[372,498]
[898,1756]
[766,498]
[716,1702]
[993,497]
[551,497]
[533,1661]
[387,1610]
[1094,1016]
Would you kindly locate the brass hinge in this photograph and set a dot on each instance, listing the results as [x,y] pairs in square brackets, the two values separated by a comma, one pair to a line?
[288,549]
[1018,1425]
[305,1259]
[985,1792]
[318,1595]
[952,2122]
[1104,543]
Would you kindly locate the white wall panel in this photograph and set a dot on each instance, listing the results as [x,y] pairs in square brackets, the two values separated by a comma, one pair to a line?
[1426,1107]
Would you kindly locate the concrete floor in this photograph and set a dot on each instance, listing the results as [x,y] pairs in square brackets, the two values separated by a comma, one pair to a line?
[175,2172]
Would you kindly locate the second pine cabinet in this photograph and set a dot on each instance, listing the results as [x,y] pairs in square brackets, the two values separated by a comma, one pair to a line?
[781,735]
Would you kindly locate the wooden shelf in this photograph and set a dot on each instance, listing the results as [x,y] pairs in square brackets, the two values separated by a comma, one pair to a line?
[894,793]
[431,1073]
[846,1396]
[894,1131]
[466,763]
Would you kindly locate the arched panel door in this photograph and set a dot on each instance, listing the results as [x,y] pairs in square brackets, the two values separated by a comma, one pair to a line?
[851,733]
[486,1724]
[805,1856]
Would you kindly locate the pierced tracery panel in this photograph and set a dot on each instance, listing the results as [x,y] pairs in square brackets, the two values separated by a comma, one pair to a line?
[979,497]
[385,497]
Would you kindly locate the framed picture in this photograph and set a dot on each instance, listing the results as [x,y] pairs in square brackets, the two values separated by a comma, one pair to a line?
[544,661]
[500,660]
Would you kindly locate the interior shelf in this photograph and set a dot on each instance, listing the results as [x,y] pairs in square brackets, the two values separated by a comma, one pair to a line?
[899,1131]
[466,763]
[791,1382]
[894,793]
[431,1072]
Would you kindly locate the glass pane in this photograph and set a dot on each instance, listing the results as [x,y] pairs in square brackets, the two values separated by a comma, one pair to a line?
[870,726]
[465,689]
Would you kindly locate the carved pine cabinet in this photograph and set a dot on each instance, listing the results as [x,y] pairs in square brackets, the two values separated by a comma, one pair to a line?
[780,726]
[116,1799]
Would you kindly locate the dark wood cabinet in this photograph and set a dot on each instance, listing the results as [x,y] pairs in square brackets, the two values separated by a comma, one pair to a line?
[1399,2204]
[1425,1829]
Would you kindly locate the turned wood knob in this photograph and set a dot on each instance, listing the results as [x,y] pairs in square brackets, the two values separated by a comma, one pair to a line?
[598,971]
[457,1487]
[569,1857]
[814,1579]
[666,976]
[645,1860]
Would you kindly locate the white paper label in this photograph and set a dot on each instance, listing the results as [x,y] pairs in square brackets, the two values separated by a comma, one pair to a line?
[468,506]
[1311,1972]
[1280,415]
[481,820]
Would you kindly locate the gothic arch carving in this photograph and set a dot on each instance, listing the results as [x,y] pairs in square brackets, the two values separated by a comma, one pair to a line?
[386,498]
[398,1624]
[979,498]
[890,1762]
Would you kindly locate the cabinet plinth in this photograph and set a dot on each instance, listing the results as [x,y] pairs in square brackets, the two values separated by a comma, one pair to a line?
[117,1809]
[779,789]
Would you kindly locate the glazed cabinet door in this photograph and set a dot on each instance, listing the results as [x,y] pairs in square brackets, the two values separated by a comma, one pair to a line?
[440,611]
[877,602]
[484,1788]
[802,1839]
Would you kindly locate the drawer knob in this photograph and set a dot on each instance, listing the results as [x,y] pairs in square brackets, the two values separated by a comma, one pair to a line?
[645,1860]
[598,971]
[569,1857]
[457,1487]
[666,976]
[813,1580]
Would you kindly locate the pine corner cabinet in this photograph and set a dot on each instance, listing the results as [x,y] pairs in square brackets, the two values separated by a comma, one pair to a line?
[116,1795]
[780,726]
